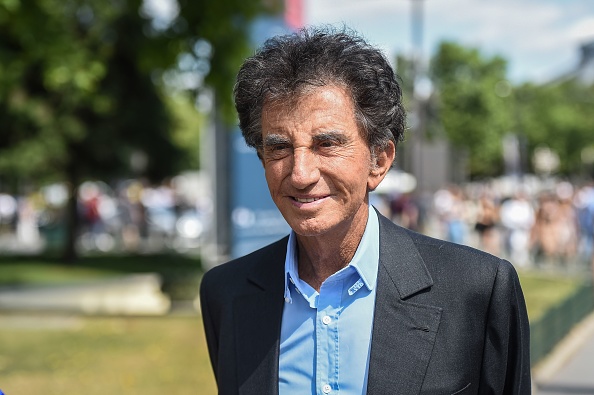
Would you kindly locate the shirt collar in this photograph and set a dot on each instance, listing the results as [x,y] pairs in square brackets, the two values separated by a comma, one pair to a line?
[365,261]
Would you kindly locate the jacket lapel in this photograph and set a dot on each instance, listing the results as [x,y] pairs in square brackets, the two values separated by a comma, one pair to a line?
[403,332]
[257,328]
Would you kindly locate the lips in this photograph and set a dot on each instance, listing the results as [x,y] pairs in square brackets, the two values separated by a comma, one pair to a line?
[306,200]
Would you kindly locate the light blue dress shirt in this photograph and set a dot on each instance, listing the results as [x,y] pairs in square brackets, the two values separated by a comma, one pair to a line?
[326,336]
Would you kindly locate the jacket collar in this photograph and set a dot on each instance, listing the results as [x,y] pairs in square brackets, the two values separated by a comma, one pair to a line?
[401,260]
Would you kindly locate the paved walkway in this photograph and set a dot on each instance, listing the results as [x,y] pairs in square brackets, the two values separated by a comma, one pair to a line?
[137,294]
[569,369]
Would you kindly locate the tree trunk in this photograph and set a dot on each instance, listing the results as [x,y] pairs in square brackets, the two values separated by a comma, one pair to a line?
[69,254]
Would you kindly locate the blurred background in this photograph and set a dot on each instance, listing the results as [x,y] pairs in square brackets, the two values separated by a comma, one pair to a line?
[123,175]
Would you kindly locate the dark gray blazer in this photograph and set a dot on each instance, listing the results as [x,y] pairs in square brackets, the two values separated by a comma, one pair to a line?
[448,319]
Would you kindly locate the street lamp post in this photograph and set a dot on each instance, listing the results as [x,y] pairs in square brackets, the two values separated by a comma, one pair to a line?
[418,113]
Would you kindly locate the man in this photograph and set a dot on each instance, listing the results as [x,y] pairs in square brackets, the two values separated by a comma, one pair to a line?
[350,303]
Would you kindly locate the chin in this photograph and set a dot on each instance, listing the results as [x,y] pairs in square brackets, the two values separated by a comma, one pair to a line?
[311,228]
[307,227]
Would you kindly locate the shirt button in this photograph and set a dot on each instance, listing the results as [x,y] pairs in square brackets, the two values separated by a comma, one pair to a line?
[326,389]
[326,320]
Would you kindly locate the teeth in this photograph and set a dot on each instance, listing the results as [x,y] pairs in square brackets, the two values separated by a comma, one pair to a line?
[308,200]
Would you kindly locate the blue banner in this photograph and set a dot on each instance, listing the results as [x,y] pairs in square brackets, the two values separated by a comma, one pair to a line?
[255,220]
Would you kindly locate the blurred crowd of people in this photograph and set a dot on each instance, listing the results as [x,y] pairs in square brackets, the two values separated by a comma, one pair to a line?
[533,225]
[131,215]
[546,225]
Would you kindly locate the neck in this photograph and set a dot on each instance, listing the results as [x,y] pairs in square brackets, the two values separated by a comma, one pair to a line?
[323,255]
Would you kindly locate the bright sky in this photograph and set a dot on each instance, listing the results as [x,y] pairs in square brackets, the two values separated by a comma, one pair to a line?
[539,38]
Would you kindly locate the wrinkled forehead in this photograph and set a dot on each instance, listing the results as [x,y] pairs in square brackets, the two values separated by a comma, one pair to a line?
[293,91]
[279,102]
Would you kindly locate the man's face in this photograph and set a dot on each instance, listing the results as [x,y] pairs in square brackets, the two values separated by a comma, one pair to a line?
[317,165]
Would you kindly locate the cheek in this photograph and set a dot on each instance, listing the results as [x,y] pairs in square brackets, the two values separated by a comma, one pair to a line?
[273,175]
[351,174]
[269,179]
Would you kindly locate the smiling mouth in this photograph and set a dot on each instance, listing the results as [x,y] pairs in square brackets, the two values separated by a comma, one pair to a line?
[305,200]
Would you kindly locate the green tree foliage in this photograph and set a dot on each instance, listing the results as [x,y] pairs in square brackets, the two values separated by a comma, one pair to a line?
[474,104]
[79,81]
[558,116]
[81,87]
[187,124]
[405,71]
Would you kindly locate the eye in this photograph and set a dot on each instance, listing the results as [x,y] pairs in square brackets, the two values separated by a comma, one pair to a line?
[329,140]
[329,144]
[277,151]
[276,148]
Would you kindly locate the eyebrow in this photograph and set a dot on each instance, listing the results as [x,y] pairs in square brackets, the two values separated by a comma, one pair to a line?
[274,139]
[333,135]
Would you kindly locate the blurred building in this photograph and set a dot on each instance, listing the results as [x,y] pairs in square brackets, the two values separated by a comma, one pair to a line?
[584,72]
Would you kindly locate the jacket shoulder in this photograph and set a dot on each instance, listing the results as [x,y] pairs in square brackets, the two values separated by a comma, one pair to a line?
[259,263]
[448,251]
[449,261]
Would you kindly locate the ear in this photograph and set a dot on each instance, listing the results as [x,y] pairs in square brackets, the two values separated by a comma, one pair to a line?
[382,162]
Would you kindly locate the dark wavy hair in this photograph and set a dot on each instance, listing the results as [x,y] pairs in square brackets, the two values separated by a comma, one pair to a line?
[289,65]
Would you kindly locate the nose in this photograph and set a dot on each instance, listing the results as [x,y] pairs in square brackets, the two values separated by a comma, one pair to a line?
[305,170]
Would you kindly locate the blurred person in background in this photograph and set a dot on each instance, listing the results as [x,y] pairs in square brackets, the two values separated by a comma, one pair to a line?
[405,212]
[349,302]
[487,218]
[8,213]
[555,232]
[449,205]
[543,237]
[567,225]
[132,214]
[27,229]
[584,203]
[517,218]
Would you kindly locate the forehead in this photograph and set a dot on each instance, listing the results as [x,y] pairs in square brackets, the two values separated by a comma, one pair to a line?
[293,92]
[328,103]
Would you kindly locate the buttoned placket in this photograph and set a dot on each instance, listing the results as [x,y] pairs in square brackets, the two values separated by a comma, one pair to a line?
[327,317]
[328,304]
[327,332]
[326,308]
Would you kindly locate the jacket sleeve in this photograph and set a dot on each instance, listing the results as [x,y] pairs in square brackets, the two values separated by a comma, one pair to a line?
[506,358]
[208,321]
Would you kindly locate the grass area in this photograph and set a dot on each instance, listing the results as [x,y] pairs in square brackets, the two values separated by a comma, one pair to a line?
[58,354]
[41,273]
[180,274]
[544,290]
[69,355]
